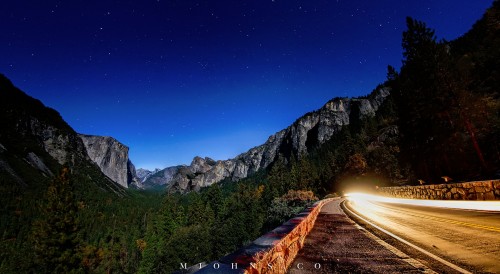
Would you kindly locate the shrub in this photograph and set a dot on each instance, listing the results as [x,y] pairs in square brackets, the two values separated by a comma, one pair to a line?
[289,205]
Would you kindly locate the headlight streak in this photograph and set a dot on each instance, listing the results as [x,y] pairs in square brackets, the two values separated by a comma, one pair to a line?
[456,267]
[364,200]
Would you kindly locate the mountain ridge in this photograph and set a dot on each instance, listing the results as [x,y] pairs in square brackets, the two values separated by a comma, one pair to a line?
[37,135]
[312,129]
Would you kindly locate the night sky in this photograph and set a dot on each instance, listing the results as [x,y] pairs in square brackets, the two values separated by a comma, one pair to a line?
[175,79]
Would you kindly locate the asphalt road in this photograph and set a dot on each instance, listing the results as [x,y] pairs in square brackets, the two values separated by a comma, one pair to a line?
[468,238]
[337,244]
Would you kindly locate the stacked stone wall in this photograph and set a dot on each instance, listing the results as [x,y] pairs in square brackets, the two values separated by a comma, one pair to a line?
[481,190]
[273,252]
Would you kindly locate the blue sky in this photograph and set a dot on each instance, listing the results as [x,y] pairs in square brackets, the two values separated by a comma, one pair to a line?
[176,79]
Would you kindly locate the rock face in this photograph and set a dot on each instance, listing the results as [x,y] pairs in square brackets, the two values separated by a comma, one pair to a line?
[312,129]
[35,137]
[163,177]
[143,174]
[26,121]
[38,163]
[112,158]
[63,145]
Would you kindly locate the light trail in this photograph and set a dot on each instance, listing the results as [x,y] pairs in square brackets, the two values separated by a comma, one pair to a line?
[427,270]
[364,199]
[460,232]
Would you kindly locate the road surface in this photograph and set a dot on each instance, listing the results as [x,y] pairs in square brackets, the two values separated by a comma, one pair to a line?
[336,244]
[467,238]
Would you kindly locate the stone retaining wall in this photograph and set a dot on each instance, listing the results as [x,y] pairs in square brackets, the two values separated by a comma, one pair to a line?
[482,190]
[274,251]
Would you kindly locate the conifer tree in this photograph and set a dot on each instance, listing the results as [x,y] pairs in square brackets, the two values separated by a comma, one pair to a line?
[420,99]
[441,118]
[54,236]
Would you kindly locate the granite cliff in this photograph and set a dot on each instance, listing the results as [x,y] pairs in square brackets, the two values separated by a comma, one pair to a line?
[112,158]
[35,142]
[311,130]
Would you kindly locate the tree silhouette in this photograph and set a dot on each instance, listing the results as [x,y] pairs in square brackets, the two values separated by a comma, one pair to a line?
[442,119]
